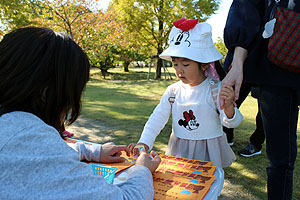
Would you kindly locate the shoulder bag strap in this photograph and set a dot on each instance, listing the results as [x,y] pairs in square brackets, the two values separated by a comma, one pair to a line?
[214,93]
[172,96]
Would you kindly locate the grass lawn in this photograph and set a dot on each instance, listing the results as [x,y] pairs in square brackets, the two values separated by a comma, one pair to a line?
[124,101]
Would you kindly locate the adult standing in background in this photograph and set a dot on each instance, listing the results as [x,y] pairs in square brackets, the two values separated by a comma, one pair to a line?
[279,94]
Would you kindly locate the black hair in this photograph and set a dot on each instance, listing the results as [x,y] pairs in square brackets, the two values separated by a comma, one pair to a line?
[221,72]
[44,73]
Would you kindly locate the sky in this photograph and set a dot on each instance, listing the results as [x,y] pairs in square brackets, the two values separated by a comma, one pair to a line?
[217,21]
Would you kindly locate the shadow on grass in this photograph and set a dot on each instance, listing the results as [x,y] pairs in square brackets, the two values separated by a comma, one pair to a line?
[125,112]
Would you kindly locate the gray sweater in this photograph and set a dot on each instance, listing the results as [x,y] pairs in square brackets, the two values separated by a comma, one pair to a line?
[35,163]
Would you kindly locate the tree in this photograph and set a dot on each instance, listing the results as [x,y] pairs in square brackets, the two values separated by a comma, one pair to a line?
[101,35]
[86,24]
[220,45]
[104,41]
[128,49]
[16,13]
[69,16]
[152,20]
[107,41]
[130,53]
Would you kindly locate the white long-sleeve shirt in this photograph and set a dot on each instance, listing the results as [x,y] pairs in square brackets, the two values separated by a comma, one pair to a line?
[36,163]
[87,152]
[194,114]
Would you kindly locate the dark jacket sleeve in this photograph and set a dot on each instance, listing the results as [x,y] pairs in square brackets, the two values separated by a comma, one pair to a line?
[244,22]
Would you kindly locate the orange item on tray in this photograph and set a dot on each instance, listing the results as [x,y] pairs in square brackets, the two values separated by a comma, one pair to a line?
[186,167]
[120,166]
[186,160]
[170,190]
[182,178]
[197,179]
[124,165]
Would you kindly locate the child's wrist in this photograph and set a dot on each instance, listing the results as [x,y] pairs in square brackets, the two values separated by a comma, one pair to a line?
[229,110]
[142,145]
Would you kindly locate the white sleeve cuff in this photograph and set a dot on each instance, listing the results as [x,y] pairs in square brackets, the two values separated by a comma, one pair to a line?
[234,121]
[87,152]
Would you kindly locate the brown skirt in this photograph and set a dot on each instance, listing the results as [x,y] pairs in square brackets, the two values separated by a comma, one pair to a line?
[215,150]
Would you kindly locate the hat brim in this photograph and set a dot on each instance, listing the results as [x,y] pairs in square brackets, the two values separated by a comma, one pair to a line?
[204,55]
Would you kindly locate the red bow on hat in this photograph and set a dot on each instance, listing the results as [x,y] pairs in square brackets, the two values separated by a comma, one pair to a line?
[185,24]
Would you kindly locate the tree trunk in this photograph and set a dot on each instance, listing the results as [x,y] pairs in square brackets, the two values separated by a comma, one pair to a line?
[158,69]
[126,65]
[159,45]
[104,72]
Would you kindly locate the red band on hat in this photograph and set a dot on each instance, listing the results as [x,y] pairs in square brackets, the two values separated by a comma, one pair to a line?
[185,24]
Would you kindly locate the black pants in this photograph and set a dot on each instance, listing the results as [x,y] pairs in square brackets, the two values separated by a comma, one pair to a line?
[279,111]
[258,137]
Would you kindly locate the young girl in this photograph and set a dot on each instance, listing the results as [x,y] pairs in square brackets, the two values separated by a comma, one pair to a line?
[196,120]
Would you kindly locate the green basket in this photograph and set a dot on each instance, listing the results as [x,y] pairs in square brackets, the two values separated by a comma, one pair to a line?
[107,172]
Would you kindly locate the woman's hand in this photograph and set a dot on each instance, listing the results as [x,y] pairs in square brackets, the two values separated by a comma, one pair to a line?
[111,153]
[234,78]
[235,75]
[145,160]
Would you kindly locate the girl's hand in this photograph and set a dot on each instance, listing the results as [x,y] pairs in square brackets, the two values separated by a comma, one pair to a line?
[136,148]
[227,94]
[111,153]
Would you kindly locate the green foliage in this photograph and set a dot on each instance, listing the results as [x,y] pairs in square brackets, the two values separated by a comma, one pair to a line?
[101,35]
[220,45]
[17,13]
[89,27]
[69,16]
[130,30]
[107,41]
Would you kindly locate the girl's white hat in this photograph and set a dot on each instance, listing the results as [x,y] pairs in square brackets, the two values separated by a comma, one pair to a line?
[195,44]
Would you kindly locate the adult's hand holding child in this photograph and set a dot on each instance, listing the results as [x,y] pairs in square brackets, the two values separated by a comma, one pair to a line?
[235,75]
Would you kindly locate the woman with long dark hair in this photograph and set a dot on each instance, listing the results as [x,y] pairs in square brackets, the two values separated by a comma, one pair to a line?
[42,77]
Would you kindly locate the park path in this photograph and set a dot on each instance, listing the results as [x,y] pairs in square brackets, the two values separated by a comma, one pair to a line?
[96,131]
[90,130]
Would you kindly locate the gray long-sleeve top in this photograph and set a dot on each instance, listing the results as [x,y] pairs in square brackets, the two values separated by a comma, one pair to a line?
[35,163]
